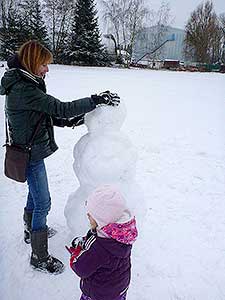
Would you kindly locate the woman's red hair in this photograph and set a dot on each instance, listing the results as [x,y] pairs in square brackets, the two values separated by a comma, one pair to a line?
[32,55]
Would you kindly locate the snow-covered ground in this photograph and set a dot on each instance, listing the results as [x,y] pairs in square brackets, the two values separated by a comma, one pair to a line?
[176,121]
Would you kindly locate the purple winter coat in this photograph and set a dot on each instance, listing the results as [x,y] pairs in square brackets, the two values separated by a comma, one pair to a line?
[104,268]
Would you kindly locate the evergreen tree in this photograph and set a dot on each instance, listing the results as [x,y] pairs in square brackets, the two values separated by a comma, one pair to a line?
[34,23]
[85,46]
[20,22]
[13,32]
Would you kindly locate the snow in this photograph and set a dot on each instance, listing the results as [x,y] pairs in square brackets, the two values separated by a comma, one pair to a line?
[176,123]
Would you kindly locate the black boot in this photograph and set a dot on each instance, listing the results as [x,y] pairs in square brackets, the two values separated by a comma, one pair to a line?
[40,259]
[27,219]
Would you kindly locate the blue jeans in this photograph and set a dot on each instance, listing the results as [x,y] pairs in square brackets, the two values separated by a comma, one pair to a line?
[38,199]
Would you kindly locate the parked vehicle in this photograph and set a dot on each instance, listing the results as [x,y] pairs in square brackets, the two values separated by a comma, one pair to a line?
[171,64]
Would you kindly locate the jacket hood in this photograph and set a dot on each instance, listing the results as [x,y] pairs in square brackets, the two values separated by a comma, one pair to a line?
[14,62]
[125,233]
[10,78]
[13,76]
[114,247]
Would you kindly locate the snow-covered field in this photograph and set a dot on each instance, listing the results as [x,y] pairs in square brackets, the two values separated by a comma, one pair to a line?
[176,121]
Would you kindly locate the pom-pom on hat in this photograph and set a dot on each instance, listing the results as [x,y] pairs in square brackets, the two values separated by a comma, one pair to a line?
[106,205]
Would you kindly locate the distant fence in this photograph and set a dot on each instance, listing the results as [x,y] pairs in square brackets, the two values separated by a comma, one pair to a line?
[176,65]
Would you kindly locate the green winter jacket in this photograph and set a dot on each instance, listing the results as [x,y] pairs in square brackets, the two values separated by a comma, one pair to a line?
[25,100]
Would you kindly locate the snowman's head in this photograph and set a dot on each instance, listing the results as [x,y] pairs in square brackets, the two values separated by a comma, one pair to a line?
[106,118]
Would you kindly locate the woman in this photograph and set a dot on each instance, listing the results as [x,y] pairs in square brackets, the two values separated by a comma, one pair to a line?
[26,101]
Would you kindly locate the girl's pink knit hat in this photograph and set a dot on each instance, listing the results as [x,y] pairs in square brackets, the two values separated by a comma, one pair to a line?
[106,205]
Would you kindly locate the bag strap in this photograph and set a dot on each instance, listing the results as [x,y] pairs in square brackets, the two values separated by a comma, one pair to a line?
[7,141]
[36,130]
[29,145]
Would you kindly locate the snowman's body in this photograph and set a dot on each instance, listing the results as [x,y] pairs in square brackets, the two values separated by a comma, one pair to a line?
[104,155]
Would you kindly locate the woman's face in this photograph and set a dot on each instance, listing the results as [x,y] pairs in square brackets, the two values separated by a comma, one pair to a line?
[43,69]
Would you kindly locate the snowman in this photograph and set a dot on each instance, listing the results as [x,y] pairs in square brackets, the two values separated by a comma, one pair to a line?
[105,155]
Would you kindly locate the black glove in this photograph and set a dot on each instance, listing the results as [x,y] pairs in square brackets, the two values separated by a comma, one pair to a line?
[107,98]
[78,241]
[76,121]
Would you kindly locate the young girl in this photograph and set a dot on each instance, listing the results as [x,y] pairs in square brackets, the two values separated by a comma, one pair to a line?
[102,258]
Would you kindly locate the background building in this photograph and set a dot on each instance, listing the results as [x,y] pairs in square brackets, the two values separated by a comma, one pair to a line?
[148,41]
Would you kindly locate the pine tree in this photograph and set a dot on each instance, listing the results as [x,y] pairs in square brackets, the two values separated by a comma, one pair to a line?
[13,33]
[22,22]
[85,46]
[34,23]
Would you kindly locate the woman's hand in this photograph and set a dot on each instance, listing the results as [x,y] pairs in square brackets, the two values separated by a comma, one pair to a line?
[107,98]
[75,121]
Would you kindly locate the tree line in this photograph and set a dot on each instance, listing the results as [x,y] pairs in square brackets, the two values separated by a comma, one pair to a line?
[70,29]
[128,20]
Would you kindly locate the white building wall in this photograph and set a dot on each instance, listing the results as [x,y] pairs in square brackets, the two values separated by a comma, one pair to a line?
[171,50]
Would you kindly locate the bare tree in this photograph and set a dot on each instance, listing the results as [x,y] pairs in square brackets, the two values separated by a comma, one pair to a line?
[159,22]
[59,16]
[222,22]
[222,26]
[125,19]
[203,35]
[137,27]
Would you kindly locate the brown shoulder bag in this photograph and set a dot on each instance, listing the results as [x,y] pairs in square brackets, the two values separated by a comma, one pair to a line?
[17,157]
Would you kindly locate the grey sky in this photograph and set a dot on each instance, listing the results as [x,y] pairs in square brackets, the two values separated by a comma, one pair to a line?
[181,10]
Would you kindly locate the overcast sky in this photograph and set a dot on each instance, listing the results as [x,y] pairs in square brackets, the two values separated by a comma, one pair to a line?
[181,9]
